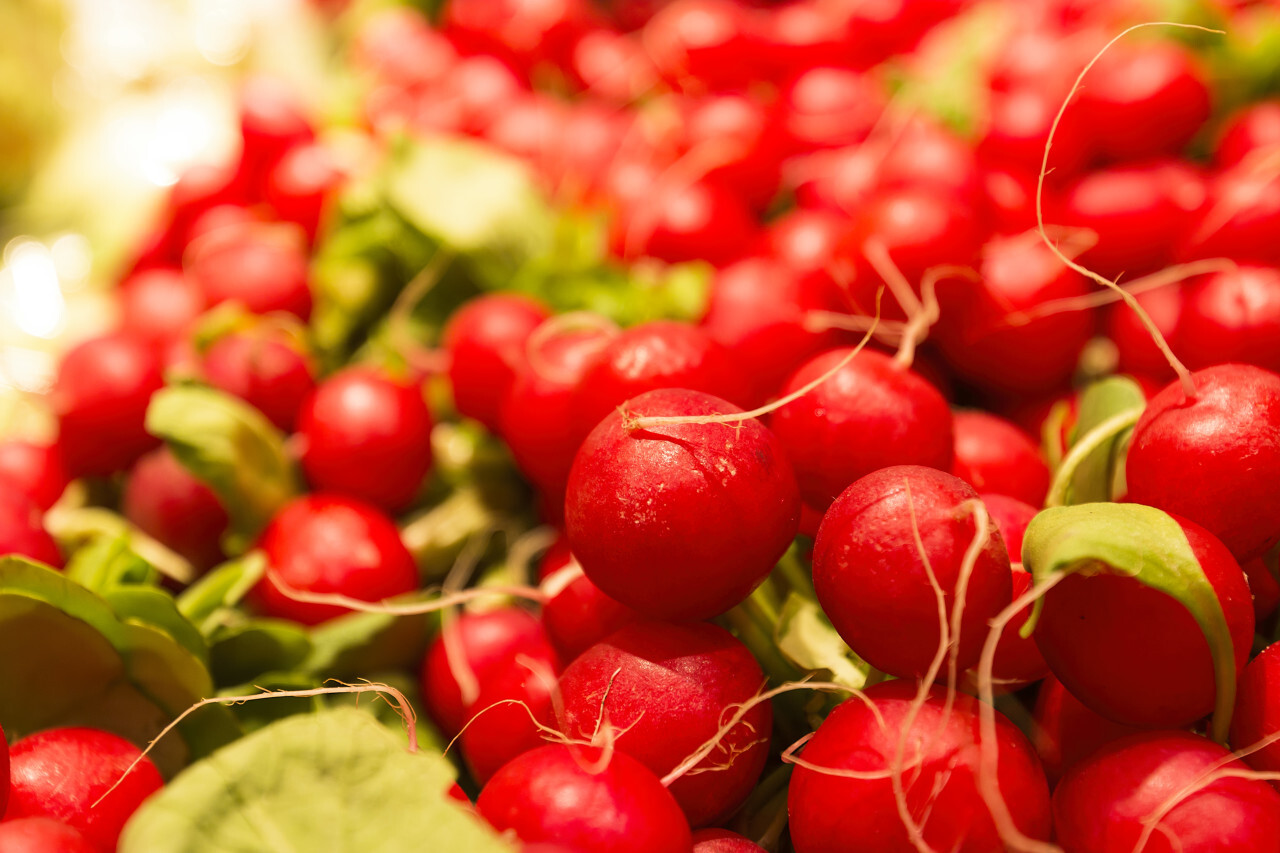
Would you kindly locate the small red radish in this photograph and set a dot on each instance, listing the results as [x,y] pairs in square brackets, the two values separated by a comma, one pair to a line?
[486,343]
[41,835]
[34,470]
[805,240]
[934,747]
[667,689]
[702,43]
[872,413]
[723,841]
[299,184]
[263,367]
[487,643]
[263,267]
[746,130]
[612,66]
[331,544]
[22,530]
[1241,216]
[1137,353]
[1251,132]
[368,436]
[168,503]
[505,717]
[1066,730]
[830,107]
[993,455]
[680,520]
[272,122]
[159,305]
[61,774]
[1264,586]
[680,220]
[1167,781]
[399,46]
[478,89]
[872,582]
[1213,458]
[104,386]
[925,155]
[585,798]
[1231,316]
[581,615]
[1018,128]
[1257,714]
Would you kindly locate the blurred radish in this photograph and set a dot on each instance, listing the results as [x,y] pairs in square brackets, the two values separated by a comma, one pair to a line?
[169,504]
[22,530]
[1254,131]
[158,305]
[262,267]
[34,470]
[486,341]
[264,367]
[300,183]
[1231,316]
[41,835]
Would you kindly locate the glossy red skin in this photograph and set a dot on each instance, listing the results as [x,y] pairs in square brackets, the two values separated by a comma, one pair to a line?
[534,30]
[836,181]
[1249,132]
[581,615]
[490,641]
[1264,586]
[496,732]
[653,355]
[705,509]
[1136,655]
[926,155]
[263,267]
[805,34]
[1008,200]
[159,304]
[1213,459]
[722,841]
[41,835]
[1137,351]
[591,140]
[872,584]
[830,107]
[870,414]
[1231,316]
[104,386]
[1240,219]
[265,369]
[680,221]
[34,470]
[368,436]
[61,773]
[1143,99]
[701,44]
[1018,128]
[831,814]
[547,795]
[1065,730]
[332,544]
[745,131]
[994,455]
[1099,805]
[168,503]
[668,689]
[486,342]
[298,185]
[1257,713]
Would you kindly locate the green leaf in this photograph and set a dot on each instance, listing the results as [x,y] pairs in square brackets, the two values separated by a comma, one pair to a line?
[240,653]
[808,640]
[231,447]
[352,645]
[107,562]
[80,527]
[1108,410]
[205,602]
[1143,543]
[148,605]
[330,781]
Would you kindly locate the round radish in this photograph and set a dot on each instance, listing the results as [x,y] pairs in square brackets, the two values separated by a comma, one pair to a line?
[1241,217]
[299,183]
[1231,316]
[265,369]
[1066,730]
[581,615]
[684,520]
[158,305]
[667,689]
[262,267]
[486,343]
[272,122]
[830,107]
[746,131]
[502,719]
[1137,353]
[22,530]
[722,841]
[168,503]
[41,835]
[1264,587]
[701,43]
[585,799]
[34,470]
[678,221]
[1251,132]
[1257,714]
[993,455]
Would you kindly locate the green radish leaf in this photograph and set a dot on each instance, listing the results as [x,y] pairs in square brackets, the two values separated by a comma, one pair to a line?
[206,602]
[808,640]
[107,562]
[1143,543]
[1108,410]
[240,653]
[330,781]
[233,449]
[76,528]
[149,605]
[352,645]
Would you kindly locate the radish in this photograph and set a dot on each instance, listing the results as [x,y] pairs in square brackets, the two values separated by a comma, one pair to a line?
[872,413]
[1249,133]
[995,456]
[1264,587]
[168,503]
[508,715]
[398,46]
[722,841]
[1065,730]
[667,689]
[585,798]
[684,220]
[22,530]
[299,184]
[581,615]
[1257,716]
[263,367]
[1138,353]
[331,544]
[101,397]
[262,267]
[368,436]
[874,583]
[1241,216]
[830,107]
[1231,316]
[1231,429]
[62,773]
[41,835]
[1165,790]
[612,66]
[158,305]
[34,470]
[747,129]
[1018,124]
[702,44]
[272,123]
[888,739]
[486,342]
[705,508]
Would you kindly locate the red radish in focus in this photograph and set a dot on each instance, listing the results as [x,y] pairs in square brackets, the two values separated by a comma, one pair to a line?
[1231,428]
[486,341]
[41,835]
[368,436]
[502,720]
[1257,714]
[158,305]
[1066,731]
[62,773]
[667,689]
[299,184]
[101,396]
[331,544]
[722,841]
[168,503]
[262,267]
[680,520]
[587,799]
[265,368]
[871,581]
[935,751]
[871,414]
[1101,804]
[34,470]
[994,455]
[1264,586]
[580,615]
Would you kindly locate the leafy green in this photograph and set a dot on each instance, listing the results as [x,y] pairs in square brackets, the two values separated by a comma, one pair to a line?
[1095,460]
[79,528]
[807,638]
[239,653]
[206,601]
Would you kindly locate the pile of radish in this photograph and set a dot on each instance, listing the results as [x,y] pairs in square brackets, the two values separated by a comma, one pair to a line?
[731,426]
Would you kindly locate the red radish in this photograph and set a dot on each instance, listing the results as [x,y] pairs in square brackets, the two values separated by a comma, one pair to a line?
[1135,654]
[805,240]
[486,343]
[397,45]
[532,128]
[684,220]
[22,530]
[702,43]
[1241,216]
[263,367]
[722,841]
[502,720]
[272,122]
[1008,200]
[1264,586]
[488,643]
[613,66]
[830,107]
[805,34]
[368,436]
[1251,132]
[1231,316]
[746,131]
[168,503]
[1257,714]
[331,544]
[263,267]
[1166,778]
[298,185]
[585,798]
[703,508]
[1231,429]
[925,155]
[158,305]
[934,747]
[41,835]
[836,181]
[1018,128]
[101,397]
[1066,731]
[994,455]
[581,615]
[61,774]
[1137,351]
[34,470]
[480,88]
[668,689]
[871,581]
[535,30]
[872,413]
